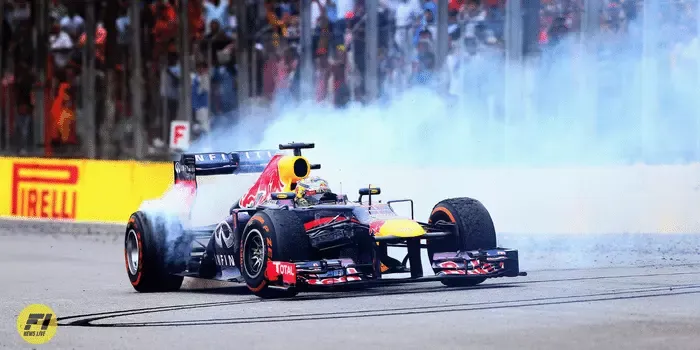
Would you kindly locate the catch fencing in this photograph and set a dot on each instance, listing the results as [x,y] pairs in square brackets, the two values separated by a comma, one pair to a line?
[536,73]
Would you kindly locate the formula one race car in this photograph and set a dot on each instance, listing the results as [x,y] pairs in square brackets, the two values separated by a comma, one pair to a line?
[285,235]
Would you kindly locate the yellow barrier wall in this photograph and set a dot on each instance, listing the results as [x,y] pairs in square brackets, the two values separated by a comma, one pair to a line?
[79,190]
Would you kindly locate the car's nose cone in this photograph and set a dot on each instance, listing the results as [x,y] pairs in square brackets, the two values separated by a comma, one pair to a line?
[403,228]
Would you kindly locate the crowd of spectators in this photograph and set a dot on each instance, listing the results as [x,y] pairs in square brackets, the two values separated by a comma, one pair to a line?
[407,41]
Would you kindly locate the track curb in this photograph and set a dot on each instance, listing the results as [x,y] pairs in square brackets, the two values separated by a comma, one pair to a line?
[48,226]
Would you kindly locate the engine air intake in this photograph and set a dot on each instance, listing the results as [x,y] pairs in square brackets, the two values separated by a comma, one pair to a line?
[293,169]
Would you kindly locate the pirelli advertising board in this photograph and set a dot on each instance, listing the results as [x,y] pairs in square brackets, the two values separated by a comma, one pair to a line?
[79,190]
[44,190]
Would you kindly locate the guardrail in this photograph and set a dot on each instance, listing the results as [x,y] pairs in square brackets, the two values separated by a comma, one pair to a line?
[13,225]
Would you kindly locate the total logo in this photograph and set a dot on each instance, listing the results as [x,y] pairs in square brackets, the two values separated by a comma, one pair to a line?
[284,268]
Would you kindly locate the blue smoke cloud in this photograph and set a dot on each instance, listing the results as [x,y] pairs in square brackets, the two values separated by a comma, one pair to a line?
[620,99]
[624,98]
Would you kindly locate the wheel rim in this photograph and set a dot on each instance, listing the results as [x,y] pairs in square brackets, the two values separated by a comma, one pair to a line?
[132,252]
[437,245]
[254,250]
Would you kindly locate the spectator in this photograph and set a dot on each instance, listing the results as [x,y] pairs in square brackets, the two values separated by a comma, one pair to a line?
[425,68]
[164,29]
[216,10]
[557,31]
[171,88]
[407,36]
[406,11]
[323,37]
[214,42]
[20,13]
[61,46]
[100,42]
[286,77]
[63,117]
[23,83]
[123,26]
[73,23]
[338,68]
[200,97]
[6,37]
[197,21]
[474,16]
[270,66]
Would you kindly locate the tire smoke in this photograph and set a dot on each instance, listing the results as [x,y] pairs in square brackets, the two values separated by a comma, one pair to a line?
[634,99]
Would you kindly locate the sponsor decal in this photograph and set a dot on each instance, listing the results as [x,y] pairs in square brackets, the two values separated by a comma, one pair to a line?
[223,235]
[225,260]
[37,324]
[277,269]
[211,157]
[185,174]
[44,190]
[333,280]
[448,265]
[179,135]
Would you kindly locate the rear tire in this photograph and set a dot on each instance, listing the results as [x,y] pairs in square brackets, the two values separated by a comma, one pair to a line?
[475,230]
[271,235]
[148,258]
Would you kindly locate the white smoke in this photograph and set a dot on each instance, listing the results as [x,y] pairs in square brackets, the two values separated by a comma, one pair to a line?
[610,110]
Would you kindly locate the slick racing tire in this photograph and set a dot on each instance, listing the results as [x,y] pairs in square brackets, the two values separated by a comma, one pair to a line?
[271,235]
[475,230]
[149,260]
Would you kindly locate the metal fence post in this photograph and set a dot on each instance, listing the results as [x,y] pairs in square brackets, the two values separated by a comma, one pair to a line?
[407,54]
[442,34]
[242,50]
[162,92]
[211,69]
[39,14]
[137,82]
[4,121]
[588,89]
[307,69]
[371,50]
[89,109]
[649,75]
[697,91]
[513,68]
[185,104]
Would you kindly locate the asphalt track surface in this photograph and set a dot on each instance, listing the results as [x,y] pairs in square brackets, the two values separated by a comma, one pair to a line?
[646,299]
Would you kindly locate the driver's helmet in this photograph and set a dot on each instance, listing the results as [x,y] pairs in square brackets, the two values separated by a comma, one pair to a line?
[311,190]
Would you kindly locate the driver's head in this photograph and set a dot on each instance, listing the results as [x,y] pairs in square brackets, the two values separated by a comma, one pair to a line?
[311,190]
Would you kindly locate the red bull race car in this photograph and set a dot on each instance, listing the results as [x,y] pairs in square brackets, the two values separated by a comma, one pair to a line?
[289,232]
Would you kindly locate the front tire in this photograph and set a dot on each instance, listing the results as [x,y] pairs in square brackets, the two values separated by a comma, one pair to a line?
[475,230]
[147,257]
[271,235]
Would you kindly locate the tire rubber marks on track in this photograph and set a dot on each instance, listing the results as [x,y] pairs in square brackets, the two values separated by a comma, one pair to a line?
[669,290]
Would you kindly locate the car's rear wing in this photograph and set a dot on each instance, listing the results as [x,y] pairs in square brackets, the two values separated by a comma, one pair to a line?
[192,165]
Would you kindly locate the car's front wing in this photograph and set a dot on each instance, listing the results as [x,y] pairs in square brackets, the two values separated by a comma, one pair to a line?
[477,264]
